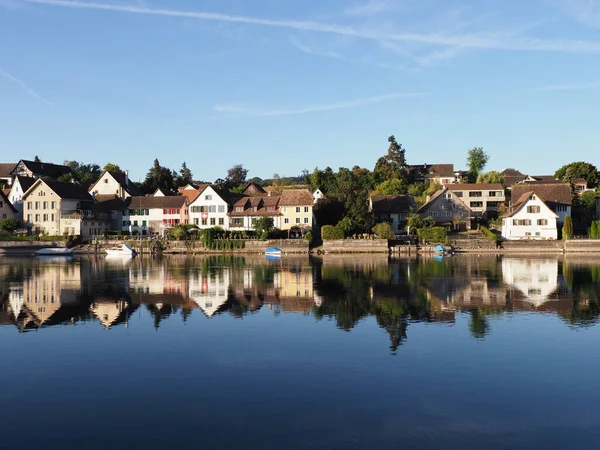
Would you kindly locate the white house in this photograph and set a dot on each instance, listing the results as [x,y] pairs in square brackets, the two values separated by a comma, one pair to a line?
[19,187]
[155,214]
[210,290]
[114,183]
[210,208]
[557,196]
[529,218]
[317,195]
[7,210]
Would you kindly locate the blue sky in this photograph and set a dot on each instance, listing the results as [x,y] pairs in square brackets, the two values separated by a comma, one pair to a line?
[281,86]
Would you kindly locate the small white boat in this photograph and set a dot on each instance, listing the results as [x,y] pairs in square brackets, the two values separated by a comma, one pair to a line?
[53,251]
[124,250]
[273,251]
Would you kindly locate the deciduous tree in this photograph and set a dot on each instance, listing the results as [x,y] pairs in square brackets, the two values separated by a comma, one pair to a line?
[476,161]
[236,175]
[579,169]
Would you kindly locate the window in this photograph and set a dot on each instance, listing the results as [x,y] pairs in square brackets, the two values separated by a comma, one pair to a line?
[239,209]
[221,208]
[37,217]
[306,209]
[521,222]
[297,209]
[297,219]
[448,213]
[493,204]
[28,217]
[53,205]
[213,221]
[147,212]
[448,195]
[306,220]
[208,197]
[37,205]
[52,217]
[28,205]
[476,204]
[204,221]
[221,221]
[178,211]
[561,208]
[212,209]
[196,221]
[533,209]
[165,211]
[45,205]
[432,213]
[135,223]
[286,220]
[144,223]
[238,221]
[475,194]
[542,222]
[495,194]
[106,180]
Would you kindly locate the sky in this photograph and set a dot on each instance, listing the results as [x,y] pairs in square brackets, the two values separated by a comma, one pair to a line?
[281,86]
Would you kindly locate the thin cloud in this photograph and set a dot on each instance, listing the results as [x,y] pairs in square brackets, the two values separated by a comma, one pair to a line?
[569,87]
[457,40]
[23,86]
[312,51]
[369,8]
[586,12]
[238,109]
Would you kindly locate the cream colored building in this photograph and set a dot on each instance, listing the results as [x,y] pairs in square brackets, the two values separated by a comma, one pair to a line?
[296,208]
[114,183]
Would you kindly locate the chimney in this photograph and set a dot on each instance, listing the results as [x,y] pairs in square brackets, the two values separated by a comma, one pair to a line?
[269,194]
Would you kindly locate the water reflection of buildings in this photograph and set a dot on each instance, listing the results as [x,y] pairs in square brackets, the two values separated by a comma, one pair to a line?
[209,290]
[536,279]
[111,312]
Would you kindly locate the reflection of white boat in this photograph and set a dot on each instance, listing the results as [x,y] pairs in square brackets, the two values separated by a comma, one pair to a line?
[53,252]
[123,251]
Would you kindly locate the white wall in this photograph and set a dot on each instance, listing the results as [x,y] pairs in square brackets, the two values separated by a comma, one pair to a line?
[536,278]
[511,231]
[215,207]
[16,198]
[107,185]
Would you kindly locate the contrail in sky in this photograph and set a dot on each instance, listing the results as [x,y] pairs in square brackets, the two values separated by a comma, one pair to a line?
[24,87]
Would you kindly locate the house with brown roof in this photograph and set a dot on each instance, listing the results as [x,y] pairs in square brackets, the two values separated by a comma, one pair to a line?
[529,218]
[480,198]
[296,208]
[438,173]
[6,173]
[557,196]
[7,210]
[393,209]
[114,183]
[155,214]
[34,169]
[248,209]
[55,208]
[447,209]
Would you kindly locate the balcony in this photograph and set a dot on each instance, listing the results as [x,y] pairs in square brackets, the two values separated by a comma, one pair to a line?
[84,214]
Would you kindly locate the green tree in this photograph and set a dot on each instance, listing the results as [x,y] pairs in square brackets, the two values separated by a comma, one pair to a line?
[593,234]
[579,169]
[478,324]
[567,229]
[110,167]
[476,161]
[584,207]
[391,187]
[490,177]
[433,188]
[37,159]
[236,175]
[383,231]
[392,164]
[263,225]
[86,174]
[9,225]
[159,177]
[185,176]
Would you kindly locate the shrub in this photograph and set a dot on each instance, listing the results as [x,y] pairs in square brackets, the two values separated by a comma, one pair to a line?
[488,234]
[384,231]
[433,234]
[567,229]
[308,236]
[330,232]
[9,224]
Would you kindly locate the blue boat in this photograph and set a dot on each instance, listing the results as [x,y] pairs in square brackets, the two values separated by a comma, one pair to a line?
[440,249]
[273,251]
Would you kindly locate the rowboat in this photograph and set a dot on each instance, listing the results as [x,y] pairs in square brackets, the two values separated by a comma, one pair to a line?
[52,251]
[273,251]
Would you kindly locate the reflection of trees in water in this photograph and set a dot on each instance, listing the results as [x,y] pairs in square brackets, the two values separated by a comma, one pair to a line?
[478,324]
[582,285]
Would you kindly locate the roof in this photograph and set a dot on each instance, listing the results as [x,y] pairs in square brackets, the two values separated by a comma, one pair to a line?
[260,202]
[253,189]
[296,197]
[151,202]
[64,189]
[579,181]
[6,169]
[433,198]
[392,203]
[6,200]
[191,194]
[46,169]
[476,187]
[544,177]
[110,202]
[557,193]
[441,170]
[512,173]
[125,182]
[522,201]
[25,182]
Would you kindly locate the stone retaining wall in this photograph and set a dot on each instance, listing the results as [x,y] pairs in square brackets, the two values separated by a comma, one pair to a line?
[356,246]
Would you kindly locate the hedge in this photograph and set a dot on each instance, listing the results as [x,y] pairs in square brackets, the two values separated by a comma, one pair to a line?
[489,234]
[433,234]
[384,231]
[330,233]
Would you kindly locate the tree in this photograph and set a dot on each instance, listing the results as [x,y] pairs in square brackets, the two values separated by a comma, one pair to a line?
[37,159]
[264,225]
[276,184]
[9,225]
[185,176]
[490,177]
[86,174]
[584,207]
[478,324]
[236,175]
[110,167]
[392,164]
[567,229]
[383,231]
[391,187]
[476,161]
[593,234]
[580,169]
[159,177]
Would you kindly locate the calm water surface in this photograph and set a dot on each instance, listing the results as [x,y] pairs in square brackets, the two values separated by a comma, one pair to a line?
[334,353]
